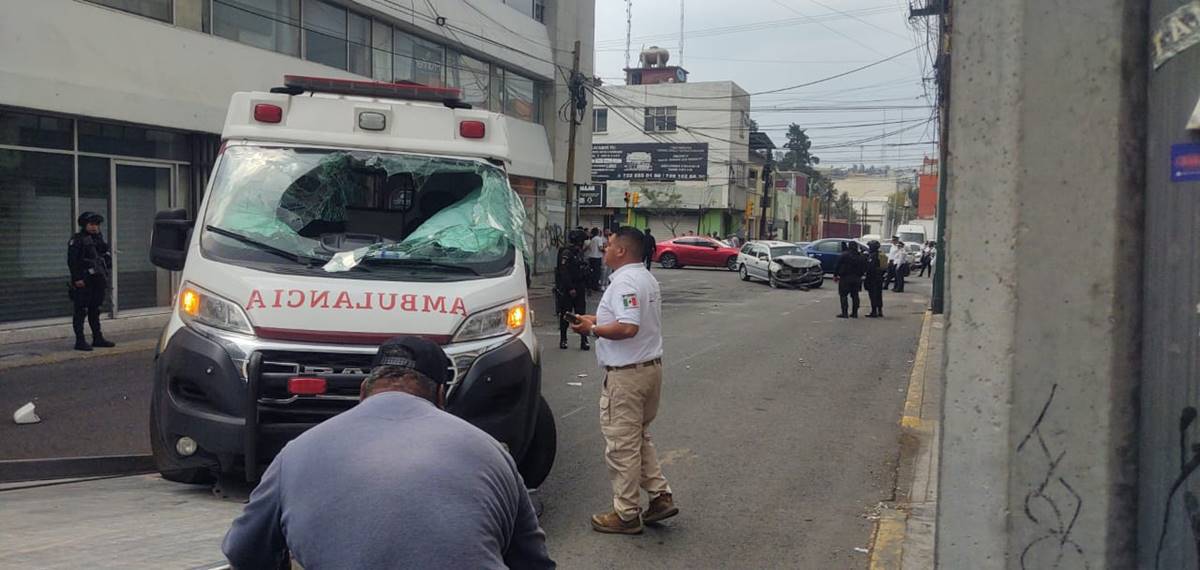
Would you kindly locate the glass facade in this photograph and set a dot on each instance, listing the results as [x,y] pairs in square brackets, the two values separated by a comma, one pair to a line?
[267,24]
[329,33]
[125,173]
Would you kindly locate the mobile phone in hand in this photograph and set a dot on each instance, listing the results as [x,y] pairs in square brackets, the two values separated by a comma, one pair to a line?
[571,318]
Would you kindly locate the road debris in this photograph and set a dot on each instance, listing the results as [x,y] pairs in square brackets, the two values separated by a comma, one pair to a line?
[26,414]
[860,549]
[574,383]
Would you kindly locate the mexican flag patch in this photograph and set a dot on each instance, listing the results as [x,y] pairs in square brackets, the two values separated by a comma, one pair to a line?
[630,300]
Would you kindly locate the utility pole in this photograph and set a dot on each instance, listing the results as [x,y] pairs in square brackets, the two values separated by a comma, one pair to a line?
[941,10]
[573,93]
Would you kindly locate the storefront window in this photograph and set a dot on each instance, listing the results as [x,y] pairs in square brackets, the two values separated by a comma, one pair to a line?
[471,75]
[35,223]
[520,97]
[418,60]
[28,129]
[128,140]
[325,33]
[157,9]
[268,24]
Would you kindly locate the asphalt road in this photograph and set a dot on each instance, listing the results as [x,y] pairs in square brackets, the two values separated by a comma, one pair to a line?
[778,426]
[777,429]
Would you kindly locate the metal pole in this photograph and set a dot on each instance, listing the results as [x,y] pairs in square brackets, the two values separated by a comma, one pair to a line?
[937,301]
[569,209]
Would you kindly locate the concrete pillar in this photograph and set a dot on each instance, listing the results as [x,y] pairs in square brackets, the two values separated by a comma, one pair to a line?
[1041,355]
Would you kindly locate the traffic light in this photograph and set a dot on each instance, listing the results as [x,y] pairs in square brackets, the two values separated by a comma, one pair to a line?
[636,197]
[627,199]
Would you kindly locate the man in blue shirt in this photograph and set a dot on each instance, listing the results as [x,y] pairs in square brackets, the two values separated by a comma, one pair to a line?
[392,483]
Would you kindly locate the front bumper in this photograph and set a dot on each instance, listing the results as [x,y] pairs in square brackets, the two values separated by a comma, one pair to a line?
[200,392]
[806,277]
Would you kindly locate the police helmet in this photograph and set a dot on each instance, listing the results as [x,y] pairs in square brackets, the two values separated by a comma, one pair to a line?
[90,218]
[577,237]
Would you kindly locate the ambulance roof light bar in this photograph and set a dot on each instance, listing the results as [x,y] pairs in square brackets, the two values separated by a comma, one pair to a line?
[297,84]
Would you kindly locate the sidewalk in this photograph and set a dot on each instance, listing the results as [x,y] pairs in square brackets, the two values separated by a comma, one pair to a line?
[142,334]
[905,536]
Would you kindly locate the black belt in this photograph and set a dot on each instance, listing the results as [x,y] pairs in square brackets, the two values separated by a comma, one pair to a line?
[654,362]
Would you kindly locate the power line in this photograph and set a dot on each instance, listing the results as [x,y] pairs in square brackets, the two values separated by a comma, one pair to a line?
[828,27]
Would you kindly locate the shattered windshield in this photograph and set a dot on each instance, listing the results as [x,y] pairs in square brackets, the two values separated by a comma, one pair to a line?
[332,211]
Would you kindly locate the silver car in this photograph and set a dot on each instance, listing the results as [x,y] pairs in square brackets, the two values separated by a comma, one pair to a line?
[780,263]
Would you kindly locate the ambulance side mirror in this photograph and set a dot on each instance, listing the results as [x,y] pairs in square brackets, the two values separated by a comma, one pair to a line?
[168,244]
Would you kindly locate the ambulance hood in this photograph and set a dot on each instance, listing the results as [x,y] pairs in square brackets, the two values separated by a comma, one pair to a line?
[308,308]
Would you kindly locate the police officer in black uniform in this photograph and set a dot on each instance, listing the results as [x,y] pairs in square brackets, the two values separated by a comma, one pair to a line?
[571,284]
[89,260]
[851,268]
[873,282]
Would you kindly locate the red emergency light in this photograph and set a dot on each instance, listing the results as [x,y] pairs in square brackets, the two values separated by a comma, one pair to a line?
[268,113]
[472,129]
[398,90]
[301,386]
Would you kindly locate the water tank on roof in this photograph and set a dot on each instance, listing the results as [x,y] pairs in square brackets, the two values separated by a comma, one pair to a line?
[654,56]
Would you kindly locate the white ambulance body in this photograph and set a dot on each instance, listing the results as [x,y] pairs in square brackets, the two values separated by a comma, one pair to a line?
[340,214]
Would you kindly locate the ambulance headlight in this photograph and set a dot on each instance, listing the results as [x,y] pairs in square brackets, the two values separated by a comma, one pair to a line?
[507,319]
[199,306]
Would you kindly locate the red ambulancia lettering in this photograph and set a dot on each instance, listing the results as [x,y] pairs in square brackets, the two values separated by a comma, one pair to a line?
[298,298]
[408,303]
[255,297]
[434,304]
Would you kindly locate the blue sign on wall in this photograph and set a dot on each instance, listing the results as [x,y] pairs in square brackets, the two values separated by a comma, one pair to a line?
[1185,162]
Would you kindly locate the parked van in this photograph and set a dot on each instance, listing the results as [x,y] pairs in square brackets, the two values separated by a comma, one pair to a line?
[340,214]
[911,233]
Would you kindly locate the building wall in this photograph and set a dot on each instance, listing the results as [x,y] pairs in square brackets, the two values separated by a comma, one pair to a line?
[716,122]
[82,59]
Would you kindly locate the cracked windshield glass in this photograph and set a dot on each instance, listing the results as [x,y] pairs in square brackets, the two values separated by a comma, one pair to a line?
[333,211]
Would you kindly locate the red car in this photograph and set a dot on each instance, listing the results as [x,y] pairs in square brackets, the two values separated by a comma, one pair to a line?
[695,250]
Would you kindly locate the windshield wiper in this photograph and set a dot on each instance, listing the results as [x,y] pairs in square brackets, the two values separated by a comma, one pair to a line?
[298,258]
[417,262]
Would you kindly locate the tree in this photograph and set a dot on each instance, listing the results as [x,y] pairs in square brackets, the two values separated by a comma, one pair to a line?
[796,155]
[753,126]
[665,204]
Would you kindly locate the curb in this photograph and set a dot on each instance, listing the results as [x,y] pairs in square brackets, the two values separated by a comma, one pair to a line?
[887,545]
[71,355]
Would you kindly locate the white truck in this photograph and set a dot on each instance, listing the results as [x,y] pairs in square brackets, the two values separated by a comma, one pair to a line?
[339,214]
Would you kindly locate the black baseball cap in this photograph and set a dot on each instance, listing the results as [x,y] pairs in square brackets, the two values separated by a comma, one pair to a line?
[414,353]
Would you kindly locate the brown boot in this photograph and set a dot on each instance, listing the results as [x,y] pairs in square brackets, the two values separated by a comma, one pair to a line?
[612,523]
[661,508]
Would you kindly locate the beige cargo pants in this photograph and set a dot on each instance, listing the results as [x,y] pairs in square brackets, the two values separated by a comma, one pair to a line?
[628,403]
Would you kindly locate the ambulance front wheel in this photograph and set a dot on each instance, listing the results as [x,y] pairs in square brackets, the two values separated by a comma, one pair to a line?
[539,457]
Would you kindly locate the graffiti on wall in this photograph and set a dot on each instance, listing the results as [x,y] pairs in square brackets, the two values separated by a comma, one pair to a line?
[1052,504]
[1191,505]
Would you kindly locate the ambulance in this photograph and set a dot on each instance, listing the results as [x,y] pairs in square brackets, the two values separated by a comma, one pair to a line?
[340,214]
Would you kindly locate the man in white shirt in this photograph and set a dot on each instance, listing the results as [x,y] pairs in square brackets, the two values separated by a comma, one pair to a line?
[898,263]
[594,252]
[628,329]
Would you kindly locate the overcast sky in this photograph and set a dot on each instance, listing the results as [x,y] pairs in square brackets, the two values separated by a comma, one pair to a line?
[769,44]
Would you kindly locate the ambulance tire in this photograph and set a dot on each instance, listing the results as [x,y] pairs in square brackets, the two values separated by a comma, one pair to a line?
[539,457]
[164,461]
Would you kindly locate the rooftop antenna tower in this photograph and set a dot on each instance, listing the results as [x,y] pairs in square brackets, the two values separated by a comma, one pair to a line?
[628,29]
